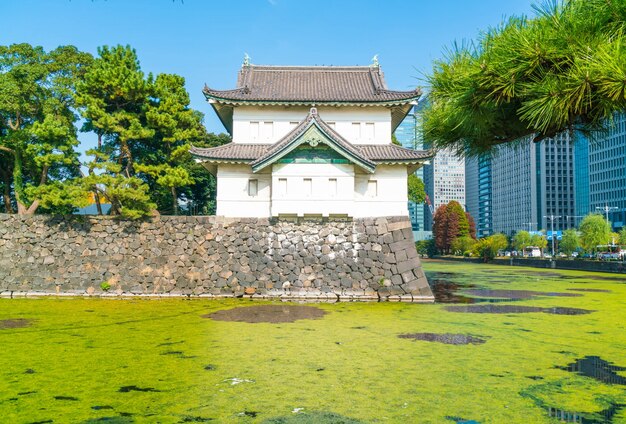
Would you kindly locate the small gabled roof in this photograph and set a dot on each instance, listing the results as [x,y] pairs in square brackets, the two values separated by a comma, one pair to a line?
[306,85]
[313,130]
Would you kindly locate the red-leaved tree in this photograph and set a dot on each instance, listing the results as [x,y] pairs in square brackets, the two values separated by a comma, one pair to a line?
[449,222]
[472,225]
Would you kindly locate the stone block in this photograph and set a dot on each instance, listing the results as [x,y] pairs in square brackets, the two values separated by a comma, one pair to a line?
[401,245]
[408,265]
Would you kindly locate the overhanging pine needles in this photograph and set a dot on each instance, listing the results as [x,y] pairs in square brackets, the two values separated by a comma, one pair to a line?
[562,69]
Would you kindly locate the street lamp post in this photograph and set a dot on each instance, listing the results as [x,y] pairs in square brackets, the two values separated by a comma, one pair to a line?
[530,224]
[606,209]
[572,216]
[552,218]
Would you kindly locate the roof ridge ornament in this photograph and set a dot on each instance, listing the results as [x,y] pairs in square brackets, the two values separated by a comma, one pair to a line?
[246,60]
[375,63]
[313,111]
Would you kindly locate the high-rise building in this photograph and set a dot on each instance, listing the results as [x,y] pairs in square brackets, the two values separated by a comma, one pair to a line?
[408,136]
[524,186]
[478,192]
[601,173]
[444,179]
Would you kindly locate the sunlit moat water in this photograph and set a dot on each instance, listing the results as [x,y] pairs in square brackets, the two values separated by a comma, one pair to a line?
[502,345]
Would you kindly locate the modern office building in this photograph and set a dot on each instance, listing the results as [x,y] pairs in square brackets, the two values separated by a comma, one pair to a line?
[444,179]
[478,193]
[600,169]
[524,186]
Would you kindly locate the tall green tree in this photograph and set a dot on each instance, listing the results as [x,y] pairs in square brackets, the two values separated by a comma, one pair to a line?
[570,241]
[144,127]
[562,70]
[594,232]
[37,133]
[622,236]
[521,240]
[113,98]
[176,127]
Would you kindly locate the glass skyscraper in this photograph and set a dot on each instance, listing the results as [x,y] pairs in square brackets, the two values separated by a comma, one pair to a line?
[601,173]
[522,183]
[408,134]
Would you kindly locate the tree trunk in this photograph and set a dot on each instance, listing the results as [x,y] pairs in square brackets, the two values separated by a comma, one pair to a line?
[174,201]
[6,192]
[96,196]
[18,183]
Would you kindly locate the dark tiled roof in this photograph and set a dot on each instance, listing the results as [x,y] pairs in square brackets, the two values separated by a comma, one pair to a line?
[391,152]
[231,152]
[313,119]
[239,152]
[311,84]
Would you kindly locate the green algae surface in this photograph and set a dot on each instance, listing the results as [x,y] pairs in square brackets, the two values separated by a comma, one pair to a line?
[162,360]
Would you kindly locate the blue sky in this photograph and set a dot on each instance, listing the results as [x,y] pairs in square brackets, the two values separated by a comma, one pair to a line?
[205,41]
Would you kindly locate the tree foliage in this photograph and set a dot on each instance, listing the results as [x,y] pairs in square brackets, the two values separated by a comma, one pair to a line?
[37,133]
[472,225]
[622,236]
[449,222]
[426,248]
[416,191]
[488,247]
[570,241]
[462,246]
[521,240]
[144,127]
[563,69]
[539,240]
[594,232]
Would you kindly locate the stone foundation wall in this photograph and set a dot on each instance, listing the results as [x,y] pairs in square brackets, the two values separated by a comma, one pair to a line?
[211,256]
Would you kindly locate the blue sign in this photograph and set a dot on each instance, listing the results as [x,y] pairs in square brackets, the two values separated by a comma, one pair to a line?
[558,234]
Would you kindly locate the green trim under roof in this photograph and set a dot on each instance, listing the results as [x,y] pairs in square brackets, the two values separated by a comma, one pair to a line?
[314,134]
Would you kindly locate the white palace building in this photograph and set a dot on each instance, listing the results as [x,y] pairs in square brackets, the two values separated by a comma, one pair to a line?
[311,141]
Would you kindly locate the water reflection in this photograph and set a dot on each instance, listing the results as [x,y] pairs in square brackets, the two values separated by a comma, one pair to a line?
[598,369]
[515,309]
[446,338]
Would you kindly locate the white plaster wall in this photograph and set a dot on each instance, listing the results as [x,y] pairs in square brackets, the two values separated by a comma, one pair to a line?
[232,192]
[391,198]
[350,198]
[322,199]
[284,118]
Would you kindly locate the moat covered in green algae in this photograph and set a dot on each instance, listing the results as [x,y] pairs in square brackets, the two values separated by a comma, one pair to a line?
[557,354]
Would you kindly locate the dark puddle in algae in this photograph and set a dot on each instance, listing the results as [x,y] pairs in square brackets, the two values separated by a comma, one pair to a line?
[267,313]
[14,323]
[126,389]
[592,290]
[515,309]
[516,294]
[447,291]
[601,417]
[446,338]
[598,369]
[459,420]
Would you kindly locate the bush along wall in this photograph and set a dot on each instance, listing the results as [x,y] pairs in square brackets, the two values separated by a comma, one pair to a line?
[209,256]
